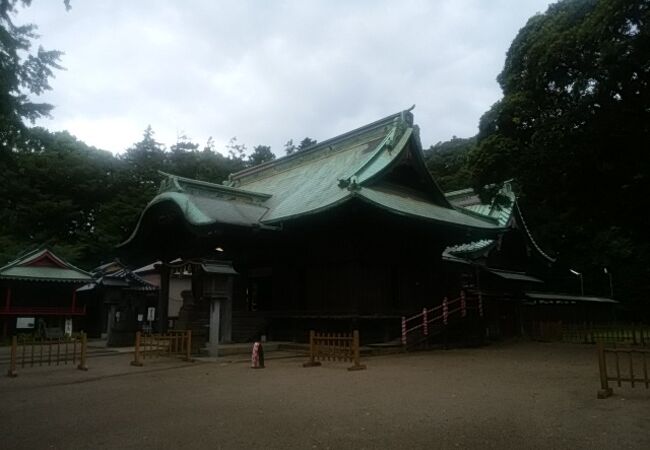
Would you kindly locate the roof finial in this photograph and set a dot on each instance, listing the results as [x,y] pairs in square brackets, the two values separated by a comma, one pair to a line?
[406,116]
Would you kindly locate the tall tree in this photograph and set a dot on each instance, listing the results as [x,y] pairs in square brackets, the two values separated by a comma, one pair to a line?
[23,72]
[573,129]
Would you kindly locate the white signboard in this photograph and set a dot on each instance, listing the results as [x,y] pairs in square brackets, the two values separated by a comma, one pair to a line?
[151,313]
[140,317]
[68,327]
[25,322]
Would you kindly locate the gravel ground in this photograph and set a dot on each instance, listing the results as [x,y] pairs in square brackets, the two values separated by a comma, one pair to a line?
[513,395]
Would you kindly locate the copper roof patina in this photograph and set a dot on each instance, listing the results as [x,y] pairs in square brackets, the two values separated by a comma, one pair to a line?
[332,172]
[503,210]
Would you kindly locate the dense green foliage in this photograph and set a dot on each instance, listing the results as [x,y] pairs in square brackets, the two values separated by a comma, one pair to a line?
[448,162]
[83,201]
[573,129]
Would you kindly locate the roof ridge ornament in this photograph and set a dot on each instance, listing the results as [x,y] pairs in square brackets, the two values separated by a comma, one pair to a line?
[169,183]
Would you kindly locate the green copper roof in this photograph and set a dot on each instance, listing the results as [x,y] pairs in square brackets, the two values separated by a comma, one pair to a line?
[499,211]
[503,214]
[43,265]
[349,166]
[467,200]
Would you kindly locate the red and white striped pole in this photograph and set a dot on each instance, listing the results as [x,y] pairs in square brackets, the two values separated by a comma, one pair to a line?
[403,330]
[425,322]
[445,311]
[463,305]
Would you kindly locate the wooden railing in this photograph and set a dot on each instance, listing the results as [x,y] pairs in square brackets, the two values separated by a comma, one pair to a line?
[30,352]
[171,343]
[635,357]
[334,347]
[422,323]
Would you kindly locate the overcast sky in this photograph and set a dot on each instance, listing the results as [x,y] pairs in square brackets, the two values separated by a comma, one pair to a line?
[269,71]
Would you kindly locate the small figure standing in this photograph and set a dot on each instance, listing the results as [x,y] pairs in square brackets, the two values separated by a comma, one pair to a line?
[257,358]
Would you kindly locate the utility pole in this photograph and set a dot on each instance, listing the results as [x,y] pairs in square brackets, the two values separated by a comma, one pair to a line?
[582,283]
[611,283]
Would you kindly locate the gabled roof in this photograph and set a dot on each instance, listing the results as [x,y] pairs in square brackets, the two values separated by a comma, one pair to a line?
[43,265]
[116,274]
[504,210]
[500,212]
[349,166]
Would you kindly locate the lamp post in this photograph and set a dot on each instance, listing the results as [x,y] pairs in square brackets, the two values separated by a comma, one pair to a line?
[611,284]
[582,283]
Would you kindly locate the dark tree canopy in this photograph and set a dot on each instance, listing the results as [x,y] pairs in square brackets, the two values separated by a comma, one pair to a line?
[82,201]
[573,129]
[447,162]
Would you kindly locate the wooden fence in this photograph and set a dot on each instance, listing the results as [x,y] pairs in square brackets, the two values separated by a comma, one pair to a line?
[30,352]
[334,347]
[171,343]
[633,334]
[635,357]
[588,333]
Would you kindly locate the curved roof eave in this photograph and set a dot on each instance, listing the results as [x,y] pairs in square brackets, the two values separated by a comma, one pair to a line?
[191,214]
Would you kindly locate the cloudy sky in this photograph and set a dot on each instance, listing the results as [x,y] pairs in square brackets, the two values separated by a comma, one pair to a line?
[269,71]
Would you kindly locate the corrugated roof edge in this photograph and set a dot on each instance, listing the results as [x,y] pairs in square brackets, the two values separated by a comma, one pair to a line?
[405,114]
[476,215]
[460,192]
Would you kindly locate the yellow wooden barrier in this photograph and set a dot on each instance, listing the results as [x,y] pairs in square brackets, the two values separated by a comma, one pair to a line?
[171,343]
[334,347]
[32,352]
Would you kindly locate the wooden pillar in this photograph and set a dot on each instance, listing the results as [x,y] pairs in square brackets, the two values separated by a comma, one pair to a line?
[163,297]
[74,300]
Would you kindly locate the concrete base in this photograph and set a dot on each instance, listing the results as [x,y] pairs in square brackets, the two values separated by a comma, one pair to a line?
[213,349]
[604,393]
